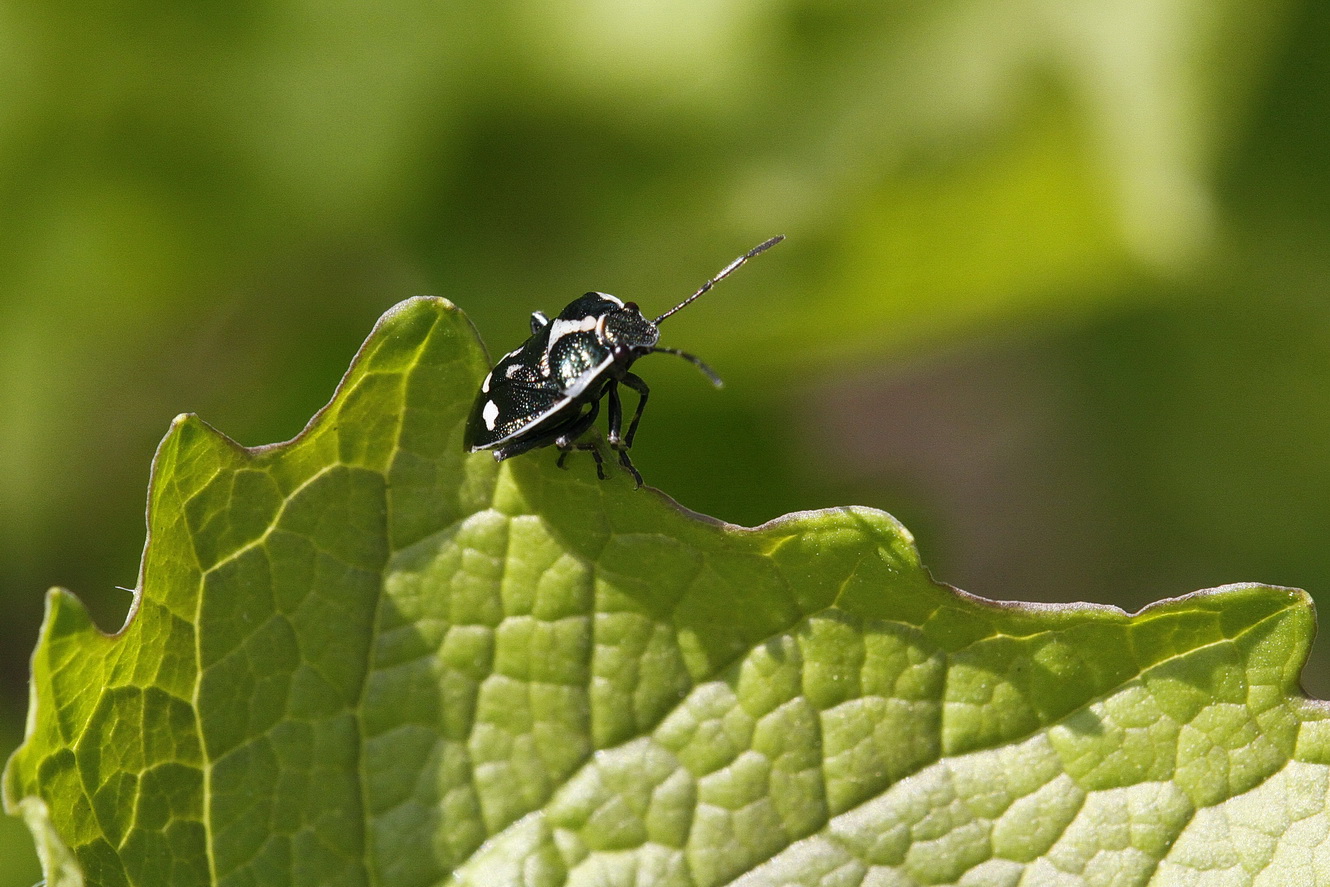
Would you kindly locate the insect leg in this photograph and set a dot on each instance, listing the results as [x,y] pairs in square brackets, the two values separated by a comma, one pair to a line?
[631,468]
[567,441]
[616,442]
[584,445]
[635,382]
[542,438]
[616,414]
[595,454]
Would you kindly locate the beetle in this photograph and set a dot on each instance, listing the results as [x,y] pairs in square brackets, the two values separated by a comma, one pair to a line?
[548,391]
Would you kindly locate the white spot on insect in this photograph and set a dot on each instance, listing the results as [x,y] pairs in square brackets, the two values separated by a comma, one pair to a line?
[561,328]
[485,386]
[490,414]
[512,354]
[608,298]
[513,370]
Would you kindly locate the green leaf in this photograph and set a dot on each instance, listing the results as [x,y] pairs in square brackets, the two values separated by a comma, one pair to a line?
[364,657]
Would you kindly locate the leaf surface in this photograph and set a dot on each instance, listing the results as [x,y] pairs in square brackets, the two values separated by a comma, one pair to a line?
[363,657]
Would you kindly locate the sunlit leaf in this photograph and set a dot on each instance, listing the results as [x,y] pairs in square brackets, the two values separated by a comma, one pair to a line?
[364,657]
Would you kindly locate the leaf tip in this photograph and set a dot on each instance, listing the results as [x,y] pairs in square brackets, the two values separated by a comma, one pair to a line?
[65,614]
[436,306]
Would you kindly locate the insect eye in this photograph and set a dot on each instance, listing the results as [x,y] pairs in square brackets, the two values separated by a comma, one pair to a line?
[632,306]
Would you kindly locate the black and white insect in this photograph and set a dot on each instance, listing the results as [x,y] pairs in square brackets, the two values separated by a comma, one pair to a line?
[548,391]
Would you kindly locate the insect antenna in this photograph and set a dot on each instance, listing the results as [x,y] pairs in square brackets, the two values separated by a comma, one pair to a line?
[695,361]
[726,272]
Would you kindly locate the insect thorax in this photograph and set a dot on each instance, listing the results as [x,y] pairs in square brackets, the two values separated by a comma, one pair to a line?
[590,331]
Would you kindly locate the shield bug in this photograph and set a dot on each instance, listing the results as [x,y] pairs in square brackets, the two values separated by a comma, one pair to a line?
[549,390]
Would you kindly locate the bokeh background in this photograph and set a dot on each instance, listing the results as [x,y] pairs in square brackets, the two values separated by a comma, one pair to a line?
[1056,291]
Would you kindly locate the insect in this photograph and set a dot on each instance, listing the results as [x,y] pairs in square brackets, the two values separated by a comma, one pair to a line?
[549,390]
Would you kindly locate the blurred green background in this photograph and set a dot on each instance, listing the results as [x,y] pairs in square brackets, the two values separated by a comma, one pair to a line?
[1056,291]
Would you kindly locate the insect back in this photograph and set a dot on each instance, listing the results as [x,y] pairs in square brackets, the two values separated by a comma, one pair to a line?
[549,390]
